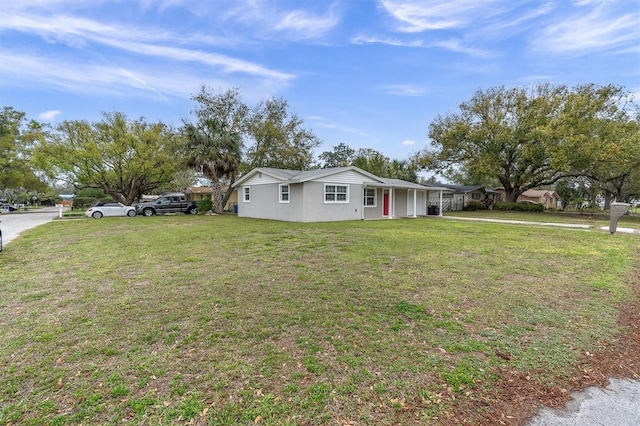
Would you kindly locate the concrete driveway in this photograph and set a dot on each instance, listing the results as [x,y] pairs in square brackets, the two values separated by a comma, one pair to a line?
[616,405]
[12,224]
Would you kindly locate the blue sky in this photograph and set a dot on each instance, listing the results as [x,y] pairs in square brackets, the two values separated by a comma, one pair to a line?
[369,73]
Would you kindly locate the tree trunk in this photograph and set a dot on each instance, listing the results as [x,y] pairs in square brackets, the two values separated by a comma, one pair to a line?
[216,197]
[512,196]
[230,190]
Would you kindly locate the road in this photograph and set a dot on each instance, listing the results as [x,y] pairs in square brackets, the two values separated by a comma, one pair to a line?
[12,224]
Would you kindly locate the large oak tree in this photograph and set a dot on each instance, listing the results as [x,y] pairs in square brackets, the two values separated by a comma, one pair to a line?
[122,157]
[18,136]
[528,137]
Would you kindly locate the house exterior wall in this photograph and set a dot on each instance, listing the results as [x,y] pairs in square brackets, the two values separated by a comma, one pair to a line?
[264,202]
[549,200]
[373,212]
[400,203]
[316,210]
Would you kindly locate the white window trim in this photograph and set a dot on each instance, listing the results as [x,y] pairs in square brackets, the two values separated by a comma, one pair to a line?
[375,197]
[336,201]
[288,200]
[246,190]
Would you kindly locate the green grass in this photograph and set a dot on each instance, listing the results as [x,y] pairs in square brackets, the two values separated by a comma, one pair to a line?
[223,320]
[592,218]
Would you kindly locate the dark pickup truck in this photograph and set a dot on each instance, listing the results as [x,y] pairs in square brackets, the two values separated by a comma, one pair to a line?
[172,202]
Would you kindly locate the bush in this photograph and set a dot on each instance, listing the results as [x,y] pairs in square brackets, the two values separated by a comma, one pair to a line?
[473,206]
[86,202]
[205,205]
[519,207]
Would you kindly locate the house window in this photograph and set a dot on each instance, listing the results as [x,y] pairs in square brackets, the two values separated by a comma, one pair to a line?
[284,193]
[475,195]
[246,195]
[369,197]
[336,194]
[447,195]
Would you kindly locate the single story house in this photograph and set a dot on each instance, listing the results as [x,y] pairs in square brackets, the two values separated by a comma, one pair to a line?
[199,193]
[460,195]
[331,194]
[549,199]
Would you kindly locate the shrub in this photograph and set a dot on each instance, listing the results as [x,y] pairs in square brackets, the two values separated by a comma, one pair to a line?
[86,202]
[473,206]
[519,207]
[205,205]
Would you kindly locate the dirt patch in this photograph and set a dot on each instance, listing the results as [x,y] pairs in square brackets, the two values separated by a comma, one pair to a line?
[517,398]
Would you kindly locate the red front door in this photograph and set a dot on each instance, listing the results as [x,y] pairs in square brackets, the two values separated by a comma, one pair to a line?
[385,203]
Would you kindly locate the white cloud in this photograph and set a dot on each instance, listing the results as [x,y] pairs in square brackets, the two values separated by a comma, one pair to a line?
[456,45]
[408,142]
[418,15]
[363,39]
[453,45]
[90,79]
[78,32]
[598,29]
[306,25]
[325,123]
[404,90]
[49,115]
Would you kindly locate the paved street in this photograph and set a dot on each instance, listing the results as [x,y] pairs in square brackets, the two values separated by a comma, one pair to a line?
[12,224]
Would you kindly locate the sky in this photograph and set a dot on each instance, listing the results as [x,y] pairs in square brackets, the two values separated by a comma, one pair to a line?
[367,73]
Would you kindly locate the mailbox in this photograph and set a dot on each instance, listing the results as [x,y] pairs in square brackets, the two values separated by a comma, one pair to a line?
[617,211]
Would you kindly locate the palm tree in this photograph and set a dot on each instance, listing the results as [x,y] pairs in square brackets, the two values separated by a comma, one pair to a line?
[216,152]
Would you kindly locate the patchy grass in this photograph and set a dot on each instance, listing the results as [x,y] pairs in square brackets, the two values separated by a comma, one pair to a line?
[223,320]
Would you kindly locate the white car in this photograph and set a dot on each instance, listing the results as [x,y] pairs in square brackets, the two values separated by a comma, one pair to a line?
[110,209]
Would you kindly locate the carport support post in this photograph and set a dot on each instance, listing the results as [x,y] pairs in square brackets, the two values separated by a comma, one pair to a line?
[440,209]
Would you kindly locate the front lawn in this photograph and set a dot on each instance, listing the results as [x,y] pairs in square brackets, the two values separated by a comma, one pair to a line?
[222,320]
[592,218]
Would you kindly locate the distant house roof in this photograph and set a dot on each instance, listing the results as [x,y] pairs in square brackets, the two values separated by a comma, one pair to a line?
[537,193]
[464,188]
[202,189]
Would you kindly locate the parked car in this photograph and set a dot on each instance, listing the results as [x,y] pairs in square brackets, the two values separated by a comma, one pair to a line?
[110,209]
[8,207]
[171,202]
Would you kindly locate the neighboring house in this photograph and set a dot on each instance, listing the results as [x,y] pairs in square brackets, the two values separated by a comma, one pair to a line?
[199,193]
[460,196]
[331,194]
[549,199]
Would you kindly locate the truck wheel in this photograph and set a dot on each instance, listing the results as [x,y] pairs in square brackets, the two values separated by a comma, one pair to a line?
[192,210]
[147,212]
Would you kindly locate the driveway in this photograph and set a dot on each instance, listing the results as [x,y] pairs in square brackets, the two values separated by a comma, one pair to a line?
[12,224]
[616,405]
